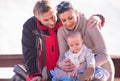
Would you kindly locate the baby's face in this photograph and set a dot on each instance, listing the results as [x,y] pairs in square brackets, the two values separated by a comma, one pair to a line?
[75,44]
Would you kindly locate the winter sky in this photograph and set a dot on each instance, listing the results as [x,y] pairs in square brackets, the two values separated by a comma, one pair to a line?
[13,13]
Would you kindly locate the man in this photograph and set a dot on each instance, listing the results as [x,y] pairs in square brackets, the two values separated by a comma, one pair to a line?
[39,41]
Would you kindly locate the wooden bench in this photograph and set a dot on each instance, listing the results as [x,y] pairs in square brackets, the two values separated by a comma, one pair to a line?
[11,60]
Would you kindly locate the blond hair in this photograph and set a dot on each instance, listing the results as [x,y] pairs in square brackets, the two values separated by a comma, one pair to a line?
[42,6]
[74,34]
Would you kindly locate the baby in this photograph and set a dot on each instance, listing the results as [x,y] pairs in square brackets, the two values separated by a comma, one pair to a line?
[83,59]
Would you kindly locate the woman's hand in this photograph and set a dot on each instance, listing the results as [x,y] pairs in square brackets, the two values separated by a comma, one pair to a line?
[94,21]
[66,65]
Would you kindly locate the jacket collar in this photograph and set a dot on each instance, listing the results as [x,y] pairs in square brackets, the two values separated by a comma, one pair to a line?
[42,27]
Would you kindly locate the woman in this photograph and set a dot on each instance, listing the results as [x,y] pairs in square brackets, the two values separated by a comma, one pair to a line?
[92,37]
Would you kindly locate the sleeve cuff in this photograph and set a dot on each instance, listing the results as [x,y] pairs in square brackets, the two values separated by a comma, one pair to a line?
[35,74]
[101,18]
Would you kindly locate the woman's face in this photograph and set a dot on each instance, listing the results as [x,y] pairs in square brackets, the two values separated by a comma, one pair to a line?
[69,19]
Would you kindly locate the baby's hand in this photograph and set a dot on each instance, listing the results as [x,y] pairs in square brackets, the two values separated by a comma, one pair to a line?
[74,74]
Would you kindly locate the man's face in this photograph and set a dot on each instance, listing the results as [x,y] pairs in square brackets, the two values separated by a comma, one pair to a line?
[48,19]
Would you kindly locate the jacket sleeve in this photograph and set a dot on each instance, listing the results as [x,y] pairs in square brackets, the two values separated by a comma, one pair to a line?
[102,18]
[29,48]
[63,47]
[100,50]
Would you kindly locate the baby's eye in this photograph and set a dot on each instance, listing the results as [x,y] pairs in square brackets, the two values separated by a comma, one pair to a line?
[71,45]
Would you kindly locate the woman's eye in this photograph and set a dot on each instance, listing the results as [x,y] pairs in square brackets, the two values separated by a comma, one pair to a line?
[70,18]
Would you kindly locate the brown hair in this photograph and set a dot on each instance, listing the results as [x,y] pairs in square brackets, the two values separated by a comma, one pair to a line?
[42,6]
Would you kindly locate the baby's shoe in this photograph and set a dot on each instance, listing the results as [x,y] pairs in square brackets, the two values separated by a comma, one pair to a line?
[98,75]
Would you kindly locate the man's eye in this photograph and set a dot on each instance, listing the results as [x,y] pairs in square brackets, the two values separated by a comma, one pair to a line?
[63,20]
